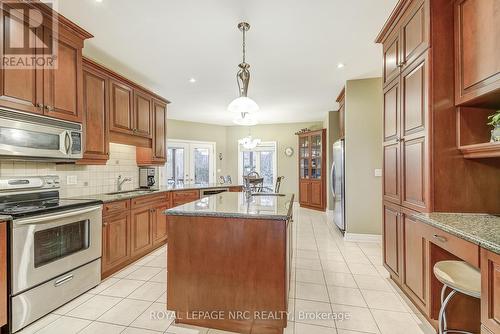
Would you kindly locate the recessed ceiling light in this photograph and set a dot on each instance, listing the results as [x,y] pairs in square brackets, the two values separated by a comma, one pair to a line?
[98,0]
[340,65]
[192,80]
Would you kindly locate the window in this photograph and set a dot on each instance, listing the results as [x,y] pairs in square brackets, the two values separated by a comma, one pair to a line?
[261,159]
[190,162]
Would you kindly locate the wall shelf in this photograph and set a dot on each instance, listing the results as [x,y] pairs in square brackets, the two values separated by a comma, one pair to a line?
[484,150]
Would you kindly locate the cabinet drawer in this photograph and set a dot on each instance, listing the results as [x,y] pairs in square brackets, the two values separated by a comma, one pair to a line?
[463,249]
[115,207]
[185,196]
[147,200]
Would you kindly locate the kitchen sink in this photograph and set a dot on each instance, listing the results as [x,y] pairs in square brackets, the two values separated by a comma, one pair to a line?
[138,191]
[268,194]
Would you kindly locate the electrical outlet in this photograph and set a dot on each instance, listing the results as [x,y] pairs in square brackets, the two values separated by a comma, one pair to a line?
[378,172]
[71,179]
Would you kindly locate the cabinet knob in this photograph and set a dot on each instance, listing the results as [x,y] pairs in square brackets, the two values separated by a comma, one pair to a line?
[440,238]
[40,105]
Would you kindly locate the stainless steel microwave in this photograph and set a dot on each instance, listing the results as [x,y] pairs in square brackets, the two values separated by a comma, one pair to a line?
[26,136]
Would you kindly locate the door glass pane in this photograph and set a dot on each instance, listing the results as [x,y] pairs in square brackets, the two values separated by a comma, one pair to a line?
[249,162]
[316,157]
[201,165]
[58,242]
[266,168]
[175,165]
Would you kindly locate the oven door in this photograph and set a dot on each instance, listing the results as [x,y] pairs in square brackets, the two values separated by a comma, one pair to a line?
[46,246]
[18,138]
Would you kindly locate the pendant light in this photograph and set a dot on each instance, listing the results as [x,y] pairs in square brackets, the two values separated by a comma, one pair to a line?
[243,105]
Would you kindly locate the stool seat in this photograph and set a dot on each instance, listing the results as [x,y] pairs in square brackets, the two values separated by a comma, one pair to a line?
[459,276]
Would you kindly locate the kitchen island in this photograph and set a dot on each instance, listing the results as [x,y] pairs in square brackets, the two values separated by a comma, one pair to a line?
[229,259]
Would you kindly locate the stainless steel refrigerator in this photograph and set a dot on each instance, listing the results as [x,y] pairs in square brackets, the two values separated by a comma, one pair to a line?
[337,183]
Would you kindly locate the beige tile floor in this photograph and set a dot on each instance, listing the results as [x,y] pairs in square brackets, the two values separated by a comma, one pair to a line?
[330,276]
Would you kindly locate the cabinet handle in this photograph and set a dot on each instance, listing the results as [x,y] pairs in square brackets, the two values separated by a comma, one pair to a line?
[440,238]
[49,108]
[104,224]
[40,105]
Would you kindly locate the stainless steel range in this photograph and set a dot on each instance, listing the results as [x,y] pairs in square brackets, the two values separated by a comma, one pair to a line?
[55,246]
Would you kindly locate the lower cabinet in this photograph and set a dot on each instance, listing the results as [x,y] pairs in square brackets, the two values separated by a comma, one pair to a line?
[392,238]
[115,242]
[160,225]
[131,229]
[184,196]
[142,234]
[490,291]
[3,274]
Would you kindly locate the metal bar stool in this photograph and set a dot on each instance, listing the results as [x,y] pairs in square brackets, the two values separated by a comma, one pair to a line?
[460,277]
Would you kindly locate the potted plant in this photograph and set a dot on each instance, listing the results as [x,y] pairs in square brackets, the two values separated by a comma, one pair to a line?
[495,122]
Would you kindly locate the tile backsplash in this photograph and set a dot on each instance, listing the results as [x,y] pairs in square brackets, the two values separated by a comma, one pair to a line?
[89,179]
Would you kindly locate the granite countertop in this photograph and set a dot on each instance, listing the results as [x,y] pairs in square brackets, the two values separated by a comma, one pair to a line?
[235,205]
[106,198]
[480,229]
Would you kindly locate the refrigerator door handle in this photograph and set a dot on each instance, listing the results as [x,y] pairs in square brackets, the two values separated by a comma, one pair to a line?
[333,180]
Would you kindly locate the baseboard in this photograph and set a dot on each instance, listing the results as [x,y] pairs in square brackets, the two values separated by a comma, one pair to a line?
[362,237]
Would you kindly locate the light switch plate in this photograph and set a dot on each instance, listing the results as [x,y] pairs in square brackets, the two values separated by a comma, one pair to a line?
[71,179]
[378,172]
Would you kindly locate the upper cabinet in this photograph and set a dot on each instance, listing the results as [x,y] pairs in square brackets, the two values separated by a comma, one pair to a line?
[95,115]
[341,101]
[477,59]
[54,91]
[160,139]
[121,107]
[143,105]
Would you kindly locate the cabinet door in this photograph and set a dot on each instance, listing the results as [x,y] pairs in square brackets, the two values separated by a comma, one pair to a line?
[116,241]
[392,146]
[143,114]
[342,120]
[95,125]
[391,58]
[3,274]
[160,131]
[490,290]
[63,85]
[414,33]
[304,192]
[392,234]
[414,131]
[304,157]
[316,194]
[20,89]
[121,107]
[477,43]
[160,225]
[415,261]
[142,234]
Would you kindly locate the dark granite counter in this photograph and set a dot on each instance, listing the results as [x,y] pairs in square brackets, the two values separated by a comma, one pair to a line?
[106,198]
[236,205]
[480,229]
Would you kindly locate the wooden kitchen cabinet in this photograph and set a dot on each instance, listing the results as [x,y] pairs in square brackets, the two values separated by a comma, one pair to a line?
[393,240]
[490,291]
[42,89]
[143,114]
[142,230]
[160,224]
[3,274]
[341,102]
[392,144]
[184,196]
[391,55]
[312,169]
[160,137]
[477,63]
[95,115]
[416,270]
[121,107]
[116,247]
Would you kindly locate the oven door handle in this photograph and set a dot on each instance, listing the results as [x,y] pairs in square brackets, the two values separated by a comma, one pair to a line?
[49,218]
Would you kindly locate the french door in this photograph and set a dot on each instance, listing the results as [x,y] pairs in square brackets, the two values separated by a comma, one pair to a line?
[190,162]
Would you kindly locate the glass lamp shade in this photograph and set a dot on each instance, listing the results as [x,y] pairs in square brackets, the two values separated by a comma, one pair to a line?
[249,143]
[243,105]
[245,120]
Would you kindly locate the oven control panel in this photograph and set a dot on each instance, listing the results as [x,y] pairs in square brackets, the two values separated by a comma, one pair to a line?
[25,183]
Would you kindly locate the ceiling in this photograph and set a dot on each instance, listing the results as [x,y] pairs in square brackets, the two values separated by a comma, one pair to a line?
[293,48]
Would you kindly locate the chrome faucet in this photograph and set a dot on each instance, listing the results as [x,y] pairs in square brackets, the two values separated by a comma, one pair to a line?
[121,181]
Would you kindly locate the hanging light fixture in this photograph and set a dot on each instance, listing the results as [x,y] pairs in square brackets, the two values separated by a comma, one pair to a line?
[249,142]
[243,105]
